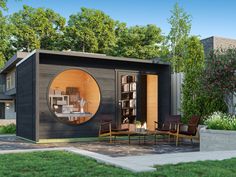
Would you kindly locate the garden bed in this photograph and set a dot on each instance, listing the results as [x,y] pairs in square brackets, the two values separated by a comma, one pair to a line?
[217,140]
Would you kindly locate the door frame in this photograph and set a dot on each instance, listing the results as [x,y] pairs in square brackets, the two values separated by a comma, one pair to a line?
[2,110]
[118,73]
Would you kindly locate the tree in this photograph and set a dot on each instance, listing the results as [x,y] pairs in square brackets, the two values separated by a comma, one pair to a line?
[90,31]
[36,28]
[3,4]
[197,98]
[4,36]
[220,74]
[80,40]
[142,42]
[180,23]
[191,88]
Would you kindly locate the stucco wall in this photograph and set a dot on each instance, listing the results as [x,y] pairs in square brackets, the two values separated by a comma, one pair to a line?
[224,43]
[217,43]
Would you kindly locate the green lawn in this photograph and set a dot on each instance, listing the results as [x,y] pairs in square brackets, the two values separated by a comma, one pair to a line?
[64,164]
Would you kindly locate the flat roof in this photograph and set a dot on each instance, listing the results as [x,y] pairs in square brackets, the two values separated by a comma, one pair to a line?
[93,55]
[219,37]
[12,61]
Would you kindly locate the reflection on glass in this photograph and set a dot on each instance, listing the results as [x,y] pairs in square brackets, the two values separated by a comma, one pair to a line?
[74,96]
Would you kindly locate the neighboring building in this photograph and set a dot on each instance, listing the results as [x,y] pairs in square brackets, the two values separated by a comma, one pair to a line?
[8,87]
[214,43]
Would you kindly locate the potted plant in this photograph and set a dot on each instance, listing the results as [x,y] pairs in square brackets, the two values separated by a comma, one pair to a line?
[219,133]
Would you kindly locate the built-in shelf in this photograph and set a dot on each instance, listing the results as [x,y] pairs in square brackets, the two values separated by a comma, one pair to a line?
[128,98]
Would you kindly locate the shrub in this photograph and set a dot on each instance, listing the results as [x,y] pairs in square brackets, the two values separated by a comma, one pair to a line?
[8,129]
[221,121]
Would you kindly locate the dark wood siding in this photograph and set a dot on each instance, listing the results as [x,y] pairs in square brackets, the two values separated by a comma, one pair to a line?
[25,99]
[164,93]
[50,127]
[104,72]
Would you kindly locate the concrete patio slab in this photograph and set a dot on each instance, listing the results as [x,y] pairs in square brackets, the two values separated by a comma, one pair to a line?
[118,149]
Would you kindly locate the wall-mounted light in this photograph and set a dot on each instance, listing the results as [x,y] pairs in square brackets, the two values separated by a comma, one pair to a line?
[7,105]
[55,106]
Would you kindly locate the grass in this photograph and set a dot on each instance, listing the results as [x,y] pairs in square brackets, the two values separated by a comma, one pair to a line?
[65,164]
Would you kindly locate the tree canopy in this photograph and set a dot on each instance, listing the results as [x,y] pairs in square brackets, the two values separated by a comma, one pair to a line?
[36,28]
[90,31]
[180,23]
[139,41]
[4,36]
[193,64]
[3,4]
[220,71]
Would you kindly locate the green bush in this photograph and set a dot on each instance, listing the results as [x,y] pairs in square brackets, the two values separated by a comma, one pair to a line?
[221,121]
[8,129]
[198,101]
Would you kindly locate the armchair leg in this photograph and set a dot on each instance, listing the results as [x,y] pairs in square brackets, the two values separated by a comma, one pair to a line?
[110,138]
[110,133]
[177,140]
[169,138]
[155,139]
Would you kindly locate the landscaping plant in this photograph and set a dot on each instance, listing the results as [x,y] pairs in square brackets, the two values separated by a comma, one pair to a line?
[219,75]
[8,129]
[221,121]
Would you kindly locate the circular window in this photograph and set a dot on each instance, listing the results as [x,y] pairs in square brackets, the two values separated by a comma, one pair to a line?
[74,96]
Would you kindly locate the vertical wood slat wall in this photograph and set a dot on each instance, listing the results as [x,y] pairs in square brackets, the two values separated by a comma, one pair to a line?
[152,101]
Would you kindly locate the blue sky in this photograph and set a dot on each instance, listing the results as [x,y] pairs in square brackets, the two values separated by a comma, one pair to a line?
[209,17]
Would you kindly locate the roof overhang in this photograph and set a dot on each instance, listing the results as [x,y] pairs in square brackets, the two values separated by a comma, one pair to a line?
[91,55]
[11,63]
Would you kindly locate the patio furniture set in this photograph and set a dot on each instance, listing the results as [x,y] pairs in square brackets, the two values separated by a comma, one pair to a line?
[172,127]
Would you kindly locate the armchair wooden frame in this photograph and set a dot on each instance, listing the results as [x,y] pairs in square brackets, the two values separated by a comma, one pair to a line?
[191,133]
[169,124]
[110,132]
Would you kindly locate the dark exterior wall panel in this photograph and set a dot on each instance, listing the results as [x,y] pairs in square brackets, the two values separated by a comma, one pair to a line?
[25,99]
[104,73]
[50,127]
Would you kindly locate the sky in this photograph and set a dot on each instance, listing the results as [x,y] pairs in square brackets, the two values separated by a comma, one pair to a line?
[209,17]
